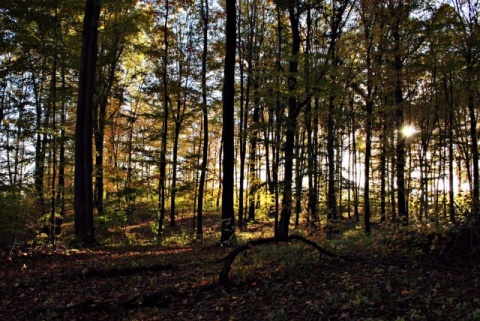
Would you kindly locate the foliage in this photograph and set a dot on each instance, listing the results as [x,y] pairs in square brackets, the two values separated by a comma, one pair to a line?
[18,221]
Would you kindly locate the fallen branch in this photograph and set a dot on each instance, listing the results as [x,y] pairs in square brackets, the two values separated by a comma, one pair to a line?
[228,260]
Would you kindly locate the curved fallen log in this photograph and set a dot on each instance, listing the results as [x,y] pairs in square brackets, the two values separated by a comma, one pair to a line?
[228,260]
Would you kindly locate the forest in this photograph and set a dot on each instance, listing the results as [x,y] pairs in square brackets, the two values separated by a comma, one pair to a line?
[239,160]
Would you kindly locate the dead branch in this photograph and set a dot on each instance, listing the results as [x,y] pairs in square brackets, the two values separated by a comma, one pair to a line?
[228,260]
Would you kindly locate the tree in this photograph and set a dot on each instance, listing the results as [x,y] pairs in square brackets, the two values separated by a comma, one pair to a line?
[204,15]
[228,215]
[467,42]
[163,149]
[84,225]
[290,122]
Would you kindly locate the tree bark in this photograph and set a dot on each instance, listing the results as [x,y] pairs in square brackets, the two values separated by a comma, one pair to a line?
[291,124]
[84,225]
[228,216]
[163,152]
[204,12]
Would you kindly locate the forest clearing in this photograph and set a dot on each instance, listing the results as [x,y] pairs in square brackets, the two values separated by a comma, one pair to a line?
[376,280]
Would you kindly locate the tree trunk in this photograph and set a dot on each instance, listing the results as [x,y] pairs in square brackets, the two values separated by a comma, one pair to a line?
[254,183]
[228,216]
[204,12]
[173,194]
[163,152]
[84,225]
[331,193]
[291,124]
[399,119]
[244,104]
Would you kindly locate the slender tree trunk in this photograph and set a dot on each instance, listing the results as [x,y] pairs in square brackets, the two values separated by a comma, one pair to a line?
[39,150]
[299,171]
[204,12]
[473,136]
[279,110]
[228,216]
[311,152]
[244,105]
[54,146]
[162,184]
[291,124]
[368,155]
[61,161]
[331,193]
[448,88]
[176,136]
[254,180]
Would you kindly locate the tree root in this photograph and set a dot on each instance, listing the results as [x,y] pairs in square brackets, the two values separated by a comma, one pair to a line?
[228,260]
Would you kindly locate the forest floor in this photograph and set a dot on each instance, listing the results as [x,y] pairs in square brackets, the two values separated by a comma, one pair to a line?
[376,278]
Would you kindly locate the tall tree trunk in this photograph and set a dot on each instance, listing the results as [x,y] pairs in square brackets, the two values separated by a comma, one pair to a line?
[173,190]
[54,145]
[279,111]
[473,136]
[204,12]
[291,124]
[244,104]
[331,193]
[254,180]
[399,117]
[368,155]
[448,89]
[84,225]
[299,171]
[228,216]
[383,173]
[163,152]
[311,152]
[39,172]
[61,160]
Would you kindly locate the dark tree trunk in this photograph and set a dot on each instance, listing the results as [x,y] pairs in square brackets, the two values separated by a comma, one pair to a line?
[311,152]
[61,161]
[279,111]
[291,124]
[53,98]
[244,104]
[204,11]
[331,193]
[368,155]
[176,136]
[39,172]
[162,184]
[84,225]
[228,215]
[448,88]
[473,136]
[254,183]
[383,174]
